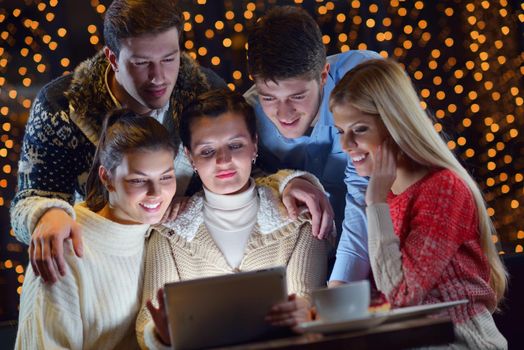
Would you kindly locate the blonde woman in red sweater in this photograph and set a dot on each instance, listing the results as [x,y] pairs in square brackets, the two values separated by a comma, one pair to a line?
[429,231]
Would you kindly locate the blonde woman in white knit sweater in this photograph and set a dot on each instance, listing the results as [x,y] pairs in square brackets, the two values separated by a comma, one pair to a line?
[233,225]
[94,306]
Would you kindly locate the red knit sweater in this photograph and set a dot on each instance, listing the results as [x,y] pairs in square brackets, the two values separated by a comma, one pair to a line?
[436,222]
[424,248]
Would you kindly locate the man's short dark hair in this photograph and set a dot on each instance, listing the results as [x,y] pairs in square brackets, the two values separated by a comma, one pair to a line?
[132,18]
[285,43]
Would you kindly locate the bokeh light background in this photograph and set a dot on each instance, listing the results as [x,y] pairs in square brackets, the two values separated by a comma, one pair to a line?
[465,57]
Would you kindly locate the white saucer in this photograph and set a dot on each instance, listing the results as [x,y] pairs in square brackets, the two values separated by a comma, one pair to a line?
[421,310]
[320,326]
[374,319]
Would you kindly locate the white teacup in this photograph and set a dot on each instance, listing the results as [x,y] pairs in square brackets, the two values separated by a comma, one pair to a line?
[345,302]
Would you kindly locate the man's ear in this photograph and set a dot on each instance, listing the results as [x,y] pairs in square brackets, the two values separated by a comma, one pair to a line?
[103,174]
[112,58]
[324,74]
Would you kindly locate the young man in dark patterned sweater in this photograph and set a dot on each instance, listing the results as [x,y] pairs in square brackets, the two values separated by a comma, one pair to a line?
[140,68]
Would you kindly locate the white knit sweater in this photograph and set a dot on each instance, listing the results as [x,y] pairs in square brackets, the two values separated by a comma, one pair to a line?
[94,306]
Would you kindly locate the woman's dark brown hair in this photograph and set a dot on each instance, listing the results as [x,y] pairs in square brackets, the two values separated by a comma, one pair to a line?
[123,132]
[213,104]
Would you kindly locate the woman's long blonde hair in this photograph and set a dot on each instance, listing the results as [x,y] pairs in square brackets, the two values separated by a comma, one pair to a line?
[381,87]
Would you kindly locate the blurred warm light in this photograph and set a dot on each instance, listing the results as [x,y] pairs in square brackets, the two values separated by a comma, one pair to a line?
[219,25]
[65,62]
[209,33]
[238,27]
[463,59]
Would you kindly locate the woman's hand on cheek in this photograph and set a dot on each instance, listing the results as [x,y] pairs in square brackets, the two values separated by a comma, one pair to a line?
[290,313]
[383,174]
[159,316]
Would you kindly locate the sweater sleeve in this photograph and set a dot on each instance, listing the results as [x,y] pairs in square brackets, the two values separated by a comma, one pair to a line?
[50,315]
[440,220]
[55,155]
[160,269]
[307,266]
[352,263]
[279,180]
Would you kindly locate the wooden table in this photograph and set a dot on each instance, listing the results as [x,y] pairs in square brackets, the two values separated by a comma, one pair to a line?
[394,335]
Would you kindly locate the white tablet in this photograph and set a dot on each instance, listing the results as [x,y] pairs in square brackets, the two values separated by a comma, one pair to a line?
[223,310]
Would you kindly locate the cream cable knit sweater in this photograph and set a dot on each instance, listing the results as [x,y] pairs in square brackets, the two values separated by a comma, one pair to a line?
[185,250]
[95,304]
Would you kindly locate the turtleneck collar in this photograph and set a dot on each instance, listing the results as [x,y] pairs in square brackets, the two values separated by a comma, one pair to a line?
[230,201]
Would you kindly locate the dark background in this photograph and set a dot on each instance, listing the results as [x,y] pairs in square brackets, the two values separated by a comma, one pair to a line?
[465,57]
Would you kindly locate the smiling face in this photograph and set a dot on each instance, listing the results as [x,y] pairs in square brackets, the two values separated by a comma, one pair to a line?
[141,186]
[146,70]
[222,152]
[360,135]
[291,104]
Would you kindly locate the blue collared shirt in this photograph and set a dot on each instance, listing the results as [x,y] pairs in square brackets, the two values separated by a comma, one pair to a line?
[320,153]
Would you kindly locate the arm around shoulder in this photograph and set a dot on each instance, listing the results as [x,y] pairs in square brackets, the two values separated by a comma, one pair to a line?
[53,156]
[279,180]
[299,187]
[26,213]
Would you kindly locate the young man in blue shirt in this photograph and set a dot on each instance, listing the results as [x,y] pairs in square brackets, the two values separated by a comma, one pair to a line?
[293,81]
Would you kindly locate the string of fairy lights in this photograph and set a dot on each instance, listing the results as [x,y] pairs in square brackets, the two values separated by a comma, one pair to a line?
[468,72]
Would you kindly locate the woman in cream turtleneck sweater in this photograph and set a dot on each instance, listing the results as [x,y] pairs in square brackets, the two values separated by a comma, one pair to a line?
[94,306]
[233,225]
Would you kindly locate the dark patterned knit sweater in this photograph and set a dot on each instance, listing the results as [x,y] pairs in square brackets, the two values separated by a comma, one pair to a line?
[62,133]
